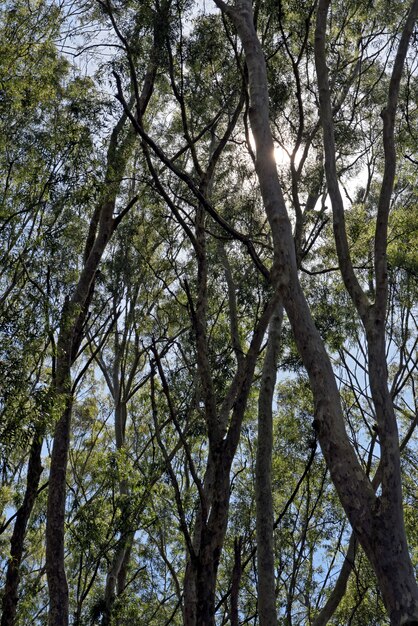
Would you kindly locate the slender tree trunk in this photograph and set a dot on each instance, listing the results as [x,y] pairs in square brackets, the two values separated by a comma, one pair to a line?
[111,581]
[10,592]
[210,532]
[190,595]
[236,581]
[266,596]
[398,587]
[123,570]
[194,566]
[340,586]
[73,318]
[117,571]
[116,578]
[102,226]
[57,580]
[190,577]
[388,551]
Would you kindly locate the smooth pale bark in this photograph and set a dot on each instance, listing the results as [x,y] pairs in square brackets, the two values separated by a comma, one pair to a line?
[116,576]
[329,418]
[10,592]
[266,596]
[400,590]
[377,522]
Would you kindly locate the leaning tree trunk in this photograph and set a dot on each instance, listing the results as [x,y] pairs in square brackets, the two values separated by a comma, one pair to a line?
[102,227]
[399,590]
[377,522]
[10,591]
[340,586]
[73,318]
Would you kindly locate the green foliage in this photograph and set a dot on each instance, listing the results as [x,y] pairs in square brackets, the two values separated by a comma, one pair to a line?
[141,346]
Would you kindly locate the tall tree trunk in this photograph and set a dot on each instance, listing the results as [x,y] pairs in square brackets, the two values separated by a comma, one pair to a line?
[266,596]
[212,528]
[190,595]
[211,541]
[102,226]
[10,592]
[401,593]
[122,551]
[377,522]
[236,581]
[57,580]
[70,337]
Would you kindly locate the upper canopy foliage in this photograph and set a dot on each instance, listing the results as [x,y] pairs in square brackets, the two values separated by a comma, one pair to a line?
[146,105]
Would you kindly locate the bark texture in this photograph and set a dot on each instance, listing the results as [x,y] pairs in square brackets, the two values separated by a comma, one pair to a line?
[378,522]
[264,497]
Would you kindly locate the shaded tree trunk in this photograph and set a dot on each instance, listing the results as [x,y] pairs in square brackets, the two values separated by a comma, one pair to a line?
[10,592]
[57,580]
[211,532]
[266,597]
[236,580]
[73,317]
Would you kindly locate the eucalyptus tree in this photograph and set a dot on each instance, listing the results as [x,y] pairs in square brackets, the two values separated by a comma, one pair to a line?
[105,217]
[378,521]
[328,415]
[205,541]
[43,144]
[219,135]
[127,282]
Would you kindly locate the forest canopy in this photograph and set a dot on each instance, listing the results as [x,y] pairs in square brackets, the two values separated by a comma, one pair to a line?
[208,312]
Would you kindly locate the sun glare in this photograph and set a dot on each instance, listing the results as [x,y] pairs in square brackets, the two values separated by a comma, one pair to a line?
[282,154]
[281,157]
